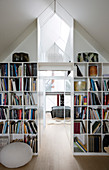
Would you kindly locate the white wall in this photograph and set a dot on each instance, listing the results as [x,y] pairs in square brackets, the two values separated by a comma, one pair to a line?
[82,45]
[28,45]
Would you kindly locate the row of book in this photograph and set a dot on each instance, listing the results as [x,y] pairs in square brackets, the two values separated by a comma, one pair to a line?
[15,69]
[106,113]
[30,69]
[94,85]
[3,127]
[3,69]
[80,112]
[4,84]
[3,99]
[95,113]
[4,113]
[94,143]
[32,141]
[105,126]
[30,84]
[94,127]
[30,127]
[80,100]
[15,99]
[80,127]
[80,147]
[15,84]
[94,99]
[30,114]
[105,99]
[16,127]
[106,85]
[16,114]
[30,98]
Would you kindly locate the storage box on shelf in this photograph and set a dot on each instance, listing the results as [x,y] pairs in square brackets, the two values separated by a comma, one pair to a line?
[91,116]
[18,103]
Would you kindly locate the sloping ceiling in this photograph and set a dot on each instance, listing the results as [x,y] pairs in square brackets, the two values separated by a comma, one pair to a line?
[17,15]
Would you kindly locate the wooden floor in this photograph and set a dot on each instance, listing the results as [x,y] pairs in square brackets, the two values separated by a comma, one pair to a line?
[55,154]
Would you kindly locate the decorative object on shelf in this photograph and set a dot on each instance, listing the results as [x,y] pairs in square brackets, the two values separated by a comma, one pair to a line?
[79,85]
[92,70]
[106,149]
[105,142]
[15,155]
[20,57]
[87,57]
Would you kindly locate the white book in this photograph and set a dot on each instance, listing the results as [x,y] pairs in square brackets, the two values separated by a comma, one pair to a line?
[75,71]
[14,85]
[30,84]
[96,86]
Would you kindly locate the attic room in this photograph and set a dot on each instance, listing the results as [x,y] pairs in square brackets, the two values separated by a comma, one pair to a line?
[54,83]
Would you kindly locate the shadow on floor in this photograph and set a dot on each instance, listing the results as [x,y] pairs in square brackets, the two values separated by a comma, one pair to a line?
[92,162]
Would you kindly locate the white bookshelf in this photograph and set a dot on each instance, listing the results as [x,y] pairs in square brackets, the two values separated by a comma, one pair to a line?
[21,105]
[92,138]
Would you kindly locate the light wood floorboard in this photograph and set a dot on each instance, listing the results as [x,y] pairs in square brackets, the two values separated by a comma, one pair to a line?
[55,154]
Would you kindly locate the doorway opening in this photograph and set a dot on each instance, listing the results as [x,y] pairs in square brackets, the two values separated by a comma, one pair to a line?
[57,98]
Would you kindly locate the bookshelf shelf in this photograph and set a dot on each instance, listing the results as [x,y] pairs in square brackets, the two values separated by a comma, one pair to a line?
[91,120]
[18,103]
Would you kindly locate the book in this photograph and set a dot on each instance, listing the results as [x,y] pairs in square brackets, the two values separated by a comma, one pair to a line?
[79,73]
[94,143]
[95,126]
[76,127]
[80,144]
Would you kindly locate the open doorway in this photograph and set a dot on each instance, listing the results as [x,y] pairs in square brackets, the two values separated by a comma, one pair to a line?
[57,98]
